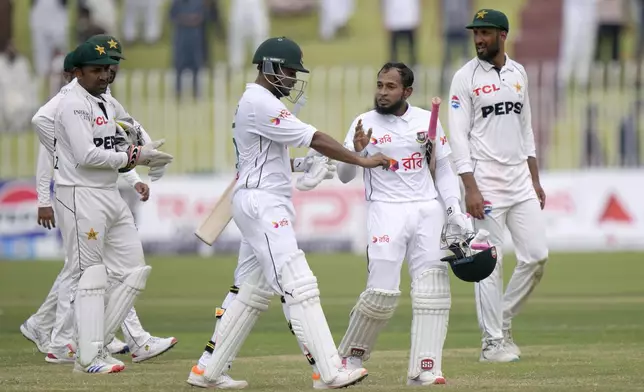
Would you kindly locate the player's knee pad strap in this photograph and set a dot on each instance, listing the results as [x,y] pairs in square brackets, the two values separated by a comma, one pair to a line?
[238,320]
[368,317]
[307,318]
[431,301]
[89,312]
[122,297]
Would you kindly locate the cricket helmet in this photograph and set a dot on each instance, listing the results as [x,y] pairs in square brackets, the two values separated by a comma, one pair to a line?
[474,259]
[277,53]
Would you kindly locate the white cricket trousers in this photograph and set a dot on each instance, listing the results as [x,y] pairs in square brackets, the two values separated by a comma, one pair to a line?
[514,205]
[97,228]
[402,231]
[268,238]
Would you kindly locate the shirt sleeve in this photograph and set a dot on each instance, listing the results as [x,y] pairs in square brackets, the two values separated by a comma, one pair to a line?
[442,144]
[76,126]
[275,122]
[460,122]
[44,168]
[45,130]
[131,177]
[526,118]
[348,140]
[347,171]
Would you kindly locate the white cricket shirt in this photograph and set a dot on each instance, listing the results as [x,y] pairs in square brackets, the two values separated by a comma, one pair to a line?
[84,141]
[43,120]
[489,115]
[262,132]
[403,139]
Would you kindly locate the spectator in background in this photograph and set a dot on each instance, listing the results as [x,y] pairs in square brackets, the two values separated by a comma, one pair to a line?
[334,17]
[102,14]
[188,42]
[248,23]
[147,10]
[402,18]
[18,96]
[455,15]
[85,28]
[577,41]
[6,25]
[292,7]
[611,17]
[49,21]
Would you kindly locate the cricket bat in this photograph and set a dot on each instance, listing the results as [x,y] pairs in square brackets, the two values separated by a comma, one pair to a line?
[431,146]
[222,213]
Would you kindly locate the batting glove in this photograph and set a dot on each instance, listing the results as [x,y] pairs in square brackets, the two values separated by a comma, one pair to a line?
[147,155]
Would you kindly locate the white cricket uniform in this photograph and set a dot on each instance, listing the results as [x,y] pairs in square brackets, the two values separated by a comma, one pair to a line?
[262,206]
[54,314]
[96,225]
[490,126]
[405,217]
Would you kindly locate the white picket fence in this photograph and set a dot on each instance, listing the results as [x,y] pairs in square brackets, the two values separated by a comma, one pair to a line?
[198,132]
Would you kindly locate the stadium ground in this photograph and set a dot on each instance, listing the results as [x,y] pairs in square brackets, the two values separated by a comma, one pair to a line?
[582,330]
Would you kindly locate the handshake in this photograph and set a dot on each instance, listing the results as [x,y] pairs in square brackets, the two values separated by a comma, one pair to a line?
[316,168]
[129,139]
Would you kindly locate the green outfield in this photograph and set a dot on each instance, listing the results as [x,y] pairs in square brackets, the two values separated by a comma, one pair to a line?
[582,330]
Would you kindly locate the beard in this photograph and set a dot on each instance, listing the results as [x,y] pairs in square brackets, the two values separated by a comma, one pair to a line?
[395,107]
[490,52]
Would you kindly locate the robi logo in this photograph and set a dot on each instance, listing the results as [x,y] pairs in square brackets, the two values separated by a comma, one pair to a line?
[101,120]
[487,89]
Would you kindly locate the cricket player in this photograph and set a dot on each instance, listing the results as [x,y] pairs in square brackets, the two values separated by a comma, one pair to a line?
[494,154]
[404,221]
[51,328]
[97,227]
[263,211]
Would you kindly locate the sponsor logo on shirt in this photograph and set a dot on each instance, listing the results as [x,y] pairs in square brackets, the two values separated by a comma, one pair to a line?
[380,240]
[443,140]
[385,139]
[501,109]
[413,162]
[487,89]
[83,114]
[281,223]
[100,120]
[455,102]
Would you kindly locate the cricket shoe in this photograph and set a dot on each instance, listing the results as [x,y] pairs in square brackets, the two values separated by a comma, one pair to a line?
[509,345]
[345,378]
[426,378]
[493,351]
[37,336]
[108,358]
[65,354]
[152,348]
[117,346]
[197,379]
[98,366]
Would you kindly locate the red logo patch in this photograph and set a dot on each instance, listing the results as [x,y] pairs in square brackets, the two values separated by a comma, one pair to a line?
[427,364]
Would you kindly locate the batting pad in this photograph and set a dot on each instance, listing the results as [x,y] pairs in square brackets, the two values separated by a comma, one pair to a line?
[430,301]
[234,326]
[121,298]
[89,310]
[368,317]
[307,318]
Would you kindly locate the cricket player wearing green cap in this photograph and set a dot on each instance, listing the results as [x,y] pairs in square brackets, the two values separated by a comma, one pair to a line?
[51,328]
[494,152]
[97,227]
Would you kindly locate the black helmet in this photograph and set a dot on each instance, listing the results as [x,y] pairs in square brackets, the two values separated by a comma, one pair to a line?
[275,54]
[474,258]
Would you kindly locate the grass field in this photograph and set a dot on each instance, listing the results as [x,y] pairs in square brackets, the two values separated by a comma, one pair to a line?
[581,331]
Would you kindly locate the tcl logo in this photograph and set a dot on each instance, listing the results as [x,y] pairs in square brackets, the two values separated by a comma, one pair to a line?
[487,89]
[101,120]
[502,108]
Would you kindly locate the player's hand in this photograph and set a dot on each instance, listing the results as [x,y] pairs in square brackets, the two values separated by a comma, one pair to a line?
[148,155]
[360,139]
[143,190]
[319,171]
[377,160]
[541,194]
[474,204]
[46,217]
[156,172]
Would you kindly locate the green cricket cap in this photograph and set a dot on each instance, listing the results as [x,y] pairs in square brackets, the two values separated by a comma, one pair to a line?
[489,18]
[111,44]
[88,53]
[68,63]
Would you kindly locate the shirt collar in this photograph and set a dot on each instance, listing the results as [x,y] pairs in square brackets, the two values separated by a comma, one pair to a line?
[406,117]
[489,66]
